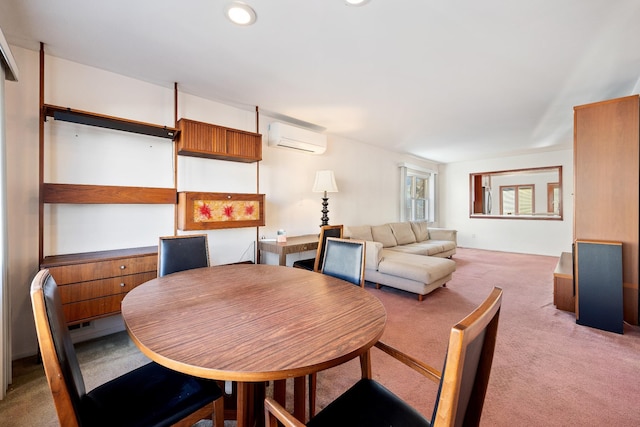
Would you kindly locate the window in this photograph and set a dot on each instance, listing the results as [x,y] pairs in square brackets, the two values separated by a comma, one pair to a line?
[553,196]
[517,200]
[418,194]
[534,193]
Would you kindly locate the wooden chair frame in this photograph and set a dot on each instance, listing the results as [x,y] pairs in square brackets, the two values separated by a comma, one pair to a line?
[55,375]
[451,404]
[322,239]
[322,243]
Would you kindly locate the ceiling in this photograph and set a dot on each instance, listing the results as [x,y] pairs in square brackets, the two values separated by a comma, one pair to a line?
[446,80]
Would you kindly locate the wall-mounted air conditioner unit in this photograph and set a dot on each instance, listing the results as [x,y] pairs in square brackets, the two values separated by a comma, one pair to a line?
[287,136]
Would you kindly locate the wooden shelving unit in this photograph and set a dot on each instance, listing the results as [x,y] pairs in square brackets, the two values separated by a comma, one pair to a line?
[94,283]
[106,194]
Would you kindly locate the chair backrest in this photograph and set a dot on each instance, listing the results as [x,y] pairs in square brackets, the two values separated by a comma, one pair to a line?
[58,354]
[467,366]
[326,231]
[178,253]
[344,259]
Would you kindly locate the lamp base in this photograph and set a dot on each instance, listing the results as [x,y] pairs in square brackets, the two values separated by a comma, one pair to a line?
[325,211]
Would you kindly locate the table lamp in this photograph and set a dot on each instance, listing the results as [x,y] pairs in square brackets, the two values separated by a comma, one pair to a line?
[325,183]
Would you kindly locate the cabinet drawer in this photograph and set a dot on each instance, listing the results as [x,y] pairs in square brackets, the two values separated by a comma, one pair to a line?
[103,287]
[90,309]
[103,269]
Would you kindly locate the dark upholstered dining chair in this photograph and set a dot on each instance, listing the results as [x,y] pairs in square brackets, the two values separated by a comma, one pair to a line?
[150,395]
[179,253]
[345,259]
[462,382]
[315,264]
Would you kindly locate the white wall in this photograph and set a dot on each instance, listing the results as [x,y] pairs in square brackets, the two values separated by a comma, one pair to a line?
[367,177]
[543,237]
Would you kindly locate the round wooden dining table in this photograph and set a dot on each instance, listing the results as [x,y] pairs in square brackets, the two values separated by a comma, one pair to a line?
[252,323]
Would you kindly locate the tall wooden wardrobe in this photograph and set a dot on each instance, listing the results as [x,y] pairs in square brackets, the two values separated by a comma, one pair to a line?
[607,184]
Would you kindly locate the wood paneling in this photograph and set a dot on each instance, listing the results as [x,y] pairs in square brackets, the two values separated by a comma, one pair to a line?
[607,183]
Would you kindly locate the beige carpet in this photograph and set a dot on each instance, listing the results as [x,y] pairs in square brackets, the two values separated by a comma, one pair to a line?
[547,370]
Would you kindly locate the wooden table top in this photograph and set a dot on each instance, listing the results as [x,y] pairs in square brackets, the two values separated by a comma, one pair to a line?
[250,322]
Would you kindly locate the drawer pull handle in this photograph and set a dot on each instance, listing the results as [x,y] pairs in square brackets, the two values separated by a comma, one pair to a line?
[122,285]
[122,267]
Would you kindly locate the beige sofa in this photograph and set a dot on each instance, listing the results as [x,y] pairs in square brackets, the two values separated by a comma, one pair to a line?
[407,255]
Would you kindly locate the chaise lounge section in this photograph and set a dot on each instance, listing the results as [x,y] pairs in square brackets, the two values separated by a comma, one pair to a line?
[407,255]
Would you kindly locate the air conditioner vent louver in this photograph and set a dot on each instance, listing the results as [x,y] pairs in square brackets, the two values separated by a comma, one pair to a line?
[287,136]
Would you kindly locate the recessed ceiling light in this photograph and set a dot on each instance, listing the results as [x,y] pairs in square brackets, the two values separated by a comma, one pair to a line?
[240,13]
[356,2]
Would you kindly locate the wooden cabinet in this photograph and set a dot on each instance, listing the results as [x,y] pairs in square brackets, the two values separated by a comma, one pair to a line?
[607,183]
[93,284]
[563,292]
[200,139]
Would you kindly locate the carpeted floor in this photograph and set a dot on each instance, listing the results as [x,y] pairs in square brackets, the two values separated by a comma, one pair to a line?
[547,370]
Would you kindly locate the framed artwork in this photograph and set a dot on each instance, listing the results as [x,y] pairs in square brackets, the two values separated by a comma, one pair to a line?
[210,211]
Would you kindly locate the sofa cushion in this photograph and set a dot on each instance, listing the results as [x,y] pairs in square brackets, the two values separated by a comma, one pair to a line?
[403,232]
[420,230]
[360,232]
[423,269]
[384,235]
[414,248]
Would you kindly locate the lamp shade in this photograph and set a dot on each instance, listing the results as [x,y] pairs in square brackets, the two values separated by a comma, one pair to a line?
[325,182]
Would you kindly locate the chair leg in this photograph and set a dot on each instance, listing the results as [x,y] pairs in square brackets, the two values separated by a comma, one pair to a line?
[313,380]
[280,391]
[218,412]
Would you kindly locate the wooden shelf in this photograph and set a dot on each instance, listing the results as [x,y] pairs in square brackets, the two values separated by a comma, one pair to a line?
[109,122]
[106,194]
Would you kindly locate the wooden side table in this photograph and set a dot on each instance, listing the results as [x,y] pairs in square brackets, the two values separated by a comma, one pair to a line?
[563,294]
[294,244]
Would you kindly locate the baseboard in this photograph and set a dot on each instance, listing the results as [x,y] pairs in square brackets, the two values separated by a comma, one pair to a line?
[98,328]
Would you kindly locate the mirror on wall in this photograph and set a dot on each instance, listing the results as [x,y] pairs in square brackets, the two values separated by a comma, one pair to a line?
[534,193]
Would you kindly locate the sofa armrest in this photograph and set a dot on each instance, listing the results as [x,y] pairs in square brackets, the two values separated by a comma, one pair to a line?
[443,234]
[373,254]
